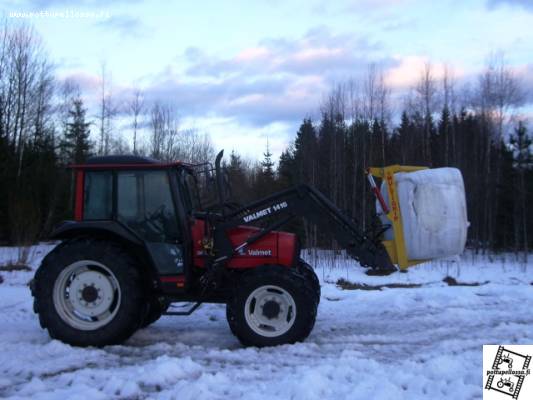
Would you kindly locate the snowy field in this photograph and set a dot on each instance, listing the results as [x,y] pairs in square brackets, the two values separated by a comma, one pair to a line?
[420,341]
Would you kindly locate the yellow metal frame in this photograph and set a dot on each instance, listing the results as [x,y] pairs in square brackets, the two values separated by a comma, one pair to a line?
[396,247]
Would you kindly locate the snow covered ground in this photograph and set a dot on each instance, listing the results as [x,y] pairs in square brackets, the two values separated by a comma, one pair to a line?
[421,342]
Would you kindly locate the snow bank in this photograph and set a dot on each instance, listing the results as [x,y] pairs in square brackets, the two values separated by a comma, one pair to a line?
[433,210]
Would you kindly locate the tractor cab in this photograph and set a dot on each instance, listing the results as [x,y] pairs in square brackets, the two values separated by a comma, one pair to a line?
[137,197]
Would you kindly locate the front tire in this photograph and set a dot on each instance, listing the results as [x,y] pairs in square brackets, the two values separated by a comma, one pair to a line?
[309,273]
[273,305]
[88,292]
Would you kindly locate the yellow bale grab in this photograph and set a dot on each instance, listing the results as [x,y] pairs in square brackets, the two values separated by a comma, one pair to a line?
[395,247]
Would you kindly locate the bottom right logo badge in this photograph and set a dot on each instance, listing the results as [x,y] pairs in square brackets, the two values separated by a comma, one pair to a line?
[506,372]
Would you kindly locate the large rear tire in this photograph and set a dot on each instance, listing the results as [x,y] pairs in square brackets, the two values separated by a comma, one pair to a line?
[88,292]
[272,305]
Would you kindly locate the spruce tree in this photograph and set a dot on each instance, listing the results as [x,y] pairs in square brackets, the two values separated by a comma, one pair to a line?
[267,165]
[265,182]
[76,144]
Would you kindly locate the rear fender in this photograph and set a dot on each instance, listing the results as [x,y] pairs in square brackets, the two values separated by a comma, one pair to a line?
[108,230]
[71,229]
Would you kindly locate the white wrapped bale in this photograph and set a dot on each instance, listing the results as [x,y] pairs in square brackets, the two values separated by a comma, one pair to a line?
[433,209]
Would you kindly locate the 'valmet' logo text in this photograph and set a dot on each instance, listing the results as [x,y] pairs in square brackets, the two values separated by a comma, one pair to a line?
[259,253]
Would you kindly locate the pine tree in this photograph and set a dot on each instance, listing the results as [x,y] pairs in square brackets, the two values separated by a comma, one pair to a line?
[239,180]
[378,136]
[235,163]
[305,156]
[305,153]
[507,212]
[326,133]
[76,144]
[441,144]
[286,168]
[403,138]
[523,158]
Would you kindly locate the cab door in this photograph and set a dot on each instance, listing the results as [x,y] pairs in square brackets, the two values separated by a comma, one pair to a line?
[145,205]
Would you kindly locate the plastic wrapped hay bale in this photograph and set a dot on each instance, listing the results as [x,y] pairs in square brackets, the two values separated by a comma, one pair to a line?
[433,209]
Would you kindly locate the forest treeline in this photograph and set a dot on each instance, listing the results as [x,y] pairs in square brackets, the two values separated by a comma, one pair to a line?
[45,126]
[473,128]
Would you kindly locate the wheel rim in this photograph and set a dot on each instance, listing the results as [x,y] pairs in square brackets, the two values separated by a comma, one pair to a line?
[86,295]
[270,311]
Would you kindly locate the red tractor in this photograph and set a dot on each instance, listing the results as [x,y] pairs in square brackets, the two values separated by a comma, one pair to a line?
[141,240]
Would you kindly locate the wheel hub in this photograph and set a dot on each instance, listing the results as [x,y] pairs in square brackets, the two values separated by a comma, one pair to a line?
[271,309]
[89,294]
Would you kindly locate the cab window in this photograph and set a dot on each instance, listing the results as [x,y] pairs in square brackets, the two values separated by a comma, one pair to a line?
[144,203]
[190,192]
[98,198]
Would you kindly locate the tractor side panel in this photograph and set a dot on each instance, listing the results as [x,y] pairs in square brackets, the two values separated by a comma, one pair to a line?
[264,251]
[275,248]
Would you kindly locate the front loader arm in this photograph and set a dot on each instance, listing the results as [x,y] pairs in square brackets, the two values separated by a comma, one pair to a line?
[306,202]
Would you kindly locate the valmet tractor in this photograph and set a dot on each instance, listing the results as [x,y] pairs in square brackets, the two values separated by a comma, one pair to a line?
[141,240]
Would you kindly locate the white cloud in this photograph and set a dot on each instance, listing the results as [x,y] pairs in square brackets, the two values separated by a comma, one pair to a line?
[408,71]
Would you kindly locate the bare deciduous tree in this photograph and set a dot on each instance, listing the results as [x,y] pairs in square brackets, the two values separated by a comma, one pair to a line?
[449,108]
[68,90]
[169,143]
[426,103]
[108,111]
[164,126]
[498,95]
[136,108]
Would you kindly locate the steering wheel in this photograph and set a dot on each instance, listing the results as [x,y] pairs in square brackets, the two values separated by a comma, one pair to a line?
[158,213]
[154,222]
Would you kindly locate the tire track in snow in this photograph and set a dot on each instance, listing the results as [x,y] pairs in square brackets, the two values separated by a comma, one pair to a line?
[396,328]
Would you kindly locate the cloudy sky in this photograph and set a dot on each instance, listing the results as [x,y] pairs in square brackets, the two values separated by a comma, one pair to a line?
[245,71]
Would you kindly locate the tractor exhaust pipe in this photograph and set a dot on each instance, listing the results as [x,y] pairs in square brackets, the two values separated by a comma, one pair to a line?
[219,182]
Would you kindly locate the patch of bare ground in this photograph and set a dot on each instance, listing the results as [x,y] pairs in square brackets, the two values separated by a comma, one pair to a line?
[347,285]
[11,267]
[453,282]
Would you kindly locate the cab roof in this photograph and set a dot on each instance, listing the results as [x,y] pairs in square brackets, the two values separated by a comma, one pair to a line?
[125,161]
[121,159]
